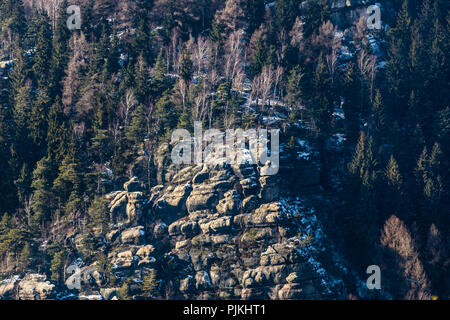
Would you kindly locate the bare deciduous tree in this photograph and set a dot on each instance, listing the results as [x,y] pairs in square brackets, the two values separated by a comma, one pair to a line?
[262,85]
[74,72]
[201,49]
[126,106]
[367,67]
[396,237]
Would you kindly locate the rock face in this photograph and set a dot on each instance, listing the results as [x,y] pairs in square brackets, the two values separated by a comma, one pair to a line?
[224,232]
[211,232]
[35,287]
[31,287]
[127,205]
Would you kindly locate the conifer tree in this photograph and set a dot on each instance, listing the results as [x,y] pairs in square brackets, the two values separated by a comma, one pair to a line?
[68,185]
[57,266]
[60,48]
[38,121]
[149,285]
[42,190]
[393,197]
[397,67]
[136,130]
[322,99]
[19,73]
[285,13]
[379,117]
[186,67]
[351,85]
[160,80]
[25,257]
[43,53]
[58,132]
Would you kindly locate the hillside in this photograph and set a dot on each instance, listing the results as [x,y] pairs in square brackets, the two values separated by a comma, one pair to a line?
[238,149]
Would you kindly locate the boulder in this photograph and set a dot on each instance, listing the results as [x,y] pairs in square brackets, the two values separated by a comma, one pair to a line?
[36,287]
[220,225]
[230,204]
[270,190]
[8,287]
[133,235]
[144,257]
[122,259]
[109,293]
[206,196]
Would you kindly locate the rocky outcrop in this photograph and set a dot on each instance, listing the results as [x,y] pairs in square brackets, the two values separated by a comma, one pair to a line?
[127,206]
[36,287]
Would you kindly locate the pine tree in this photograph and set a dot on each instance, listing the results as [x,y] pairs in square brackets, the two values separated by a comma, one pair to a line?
[394,190]
[58,133]
[104,266]
[398,65]
[361,195]
[160,80]
[429,176]
[379,117]
[322,99]
[100,142]
[5,224]
[22,155]
[314,13]
[143,39]
[124,291]
[254,12]
[149,285]
[12,15]
[259,58]
[8,199]
[98,215]
[351,88]
[286,11]
[25,257]
[60,48]
[57,266]
[165,114]
[136,130]
[18,75]
[43,53]
[121,158]
[38,121]
[142,83]
[88,245]
[295,89]
[68,185]
[42,200]
[186,67]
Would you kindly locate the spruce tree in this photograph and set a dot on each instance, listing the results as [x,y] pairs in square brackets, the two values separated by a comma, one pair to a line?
[58,133]
[351,93]
[42,53]
[160,80]
[42,201]
[322,97]
[57,266]
[394,192]
[136,130]
[59,57]
[38,121]
[25,257]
